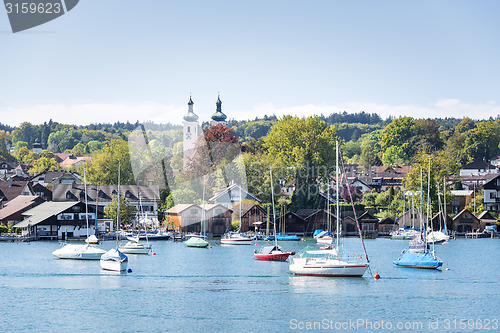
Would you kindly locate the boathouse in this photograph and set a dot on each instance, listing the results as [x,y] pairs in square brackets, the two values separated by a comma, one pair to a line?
[317,219]
[465,222]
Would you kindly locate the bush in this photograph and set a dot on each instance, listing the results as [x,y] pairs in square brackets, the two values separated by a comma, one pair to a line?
[3,229]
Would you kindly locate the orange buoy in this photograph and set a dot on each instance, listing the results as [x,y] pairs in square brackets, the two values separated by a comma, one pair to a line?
[376,276]
[154,253]
[210,246]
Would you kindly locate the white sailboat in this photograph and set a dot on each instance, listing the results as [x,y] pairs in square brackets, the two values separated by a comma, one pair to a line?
[440,236]
[236,237]
[199,240]
[134,246]
[80,251]
[326,237]
[329,262]
[114,260]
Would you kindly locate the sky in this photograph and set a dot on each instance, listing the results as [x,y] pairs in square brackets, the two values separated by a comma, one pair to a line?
[124,60]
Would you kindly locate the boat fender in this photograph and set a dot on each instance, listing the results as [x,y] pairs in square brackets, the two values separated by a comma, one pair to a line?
[254,251]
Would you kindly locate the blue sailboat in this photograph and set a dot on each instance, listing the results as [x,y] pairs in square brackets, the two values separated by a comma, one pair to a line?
[418,254]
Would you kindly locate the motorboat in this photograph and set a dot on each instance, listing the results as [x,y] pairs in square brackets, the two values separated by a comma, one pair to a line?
[324,237]
[404,233]
[236,238]
[133,246]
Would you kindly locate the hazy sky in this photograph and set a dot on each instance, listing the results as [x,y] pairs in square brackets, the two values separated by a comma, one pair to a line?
[110,60]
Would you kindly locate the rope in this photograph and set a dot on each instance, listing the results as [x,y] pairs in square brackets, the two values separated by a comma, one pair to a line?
[354,210]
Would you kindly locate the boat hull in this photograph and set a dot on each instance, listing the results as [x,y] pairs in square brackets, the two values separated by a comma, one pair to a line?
[329,268]
[111,265]
[135,250]
[236,241]
[272,257]
[324,240]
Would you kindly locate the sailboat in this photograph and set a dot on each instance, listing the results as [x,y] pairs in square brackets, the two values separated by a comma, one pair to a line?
[195,240]
[236,237]
[134,246]
[114,260]
[418,255]
[274,252]
[80,251]
[440,236]
[331,261]
[325,236]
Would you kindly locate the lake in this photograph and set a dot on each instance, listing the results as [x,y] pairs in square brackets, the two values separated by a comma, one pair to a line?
[223,289]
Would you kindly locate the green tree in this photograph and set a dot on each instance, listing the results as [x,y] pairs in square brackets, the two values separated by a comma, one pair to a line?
[398,133]
[92,146]
[394,155]
[465,125]
[104,167]
[308,146]
[127,211]
[483,141]
[25,132]
[42,164]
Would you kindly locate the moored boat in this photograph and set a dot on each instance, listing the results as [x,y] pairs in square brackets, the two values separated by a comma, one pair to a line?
[114,260]
[78,251]
[236,238]
[272,253]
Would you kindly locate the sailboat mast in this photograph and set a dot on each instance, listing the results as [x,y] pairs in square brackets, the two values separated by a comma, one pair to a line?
[203,209]
[274,212]
[118,215]
[86,206]
[429,204]
[338,194]
[445,218]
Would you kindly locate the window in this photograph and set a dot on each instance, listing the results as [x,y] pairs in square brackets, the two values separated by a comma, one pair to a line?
[218,211]
[194,211]
[69,195]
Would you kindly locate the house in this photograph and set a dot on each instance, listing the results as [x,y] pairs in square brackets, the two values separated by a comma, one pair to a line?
[486,220]
[491,199]
[57,220]
[360,185]
[412,218]
[73,162]
[12,189]
[475,182]
[384,177]
[477,167]
[349,226]
[465,222]
[7,167]
[317,219]
[250,215]
[183,215]
[291,223]
[231,195]
[437,222]
[51,178]
[369,225]
[217,219]
[144,197]
[42,192]
[461,198]
[12,211]
[385,226]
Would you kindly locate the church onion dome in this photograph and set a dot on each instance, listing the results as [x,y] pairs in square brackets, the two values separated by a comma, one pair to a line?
[190,115]
[219,115]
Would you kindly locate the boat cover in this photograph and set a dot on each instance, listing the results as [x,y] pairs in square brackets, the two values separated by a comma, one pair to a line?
[317,232]
[418,260]
[267,249]
[114,255]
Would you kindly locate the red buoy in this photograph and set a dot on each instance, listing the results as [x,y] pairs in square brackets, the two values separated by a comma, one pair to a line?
[376,276]
[154,253]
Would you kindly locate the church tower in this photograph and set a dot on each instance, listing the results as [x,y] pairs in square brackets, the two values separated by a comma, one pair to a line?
[190,133]
[218,117]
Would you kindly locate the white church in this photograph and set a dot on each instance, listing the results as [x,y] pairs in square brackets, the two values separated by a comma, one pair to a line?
[192,128]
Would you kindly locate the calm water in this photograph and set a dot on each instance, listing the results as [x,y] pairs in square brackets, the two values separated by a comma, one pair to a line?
[224,290]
